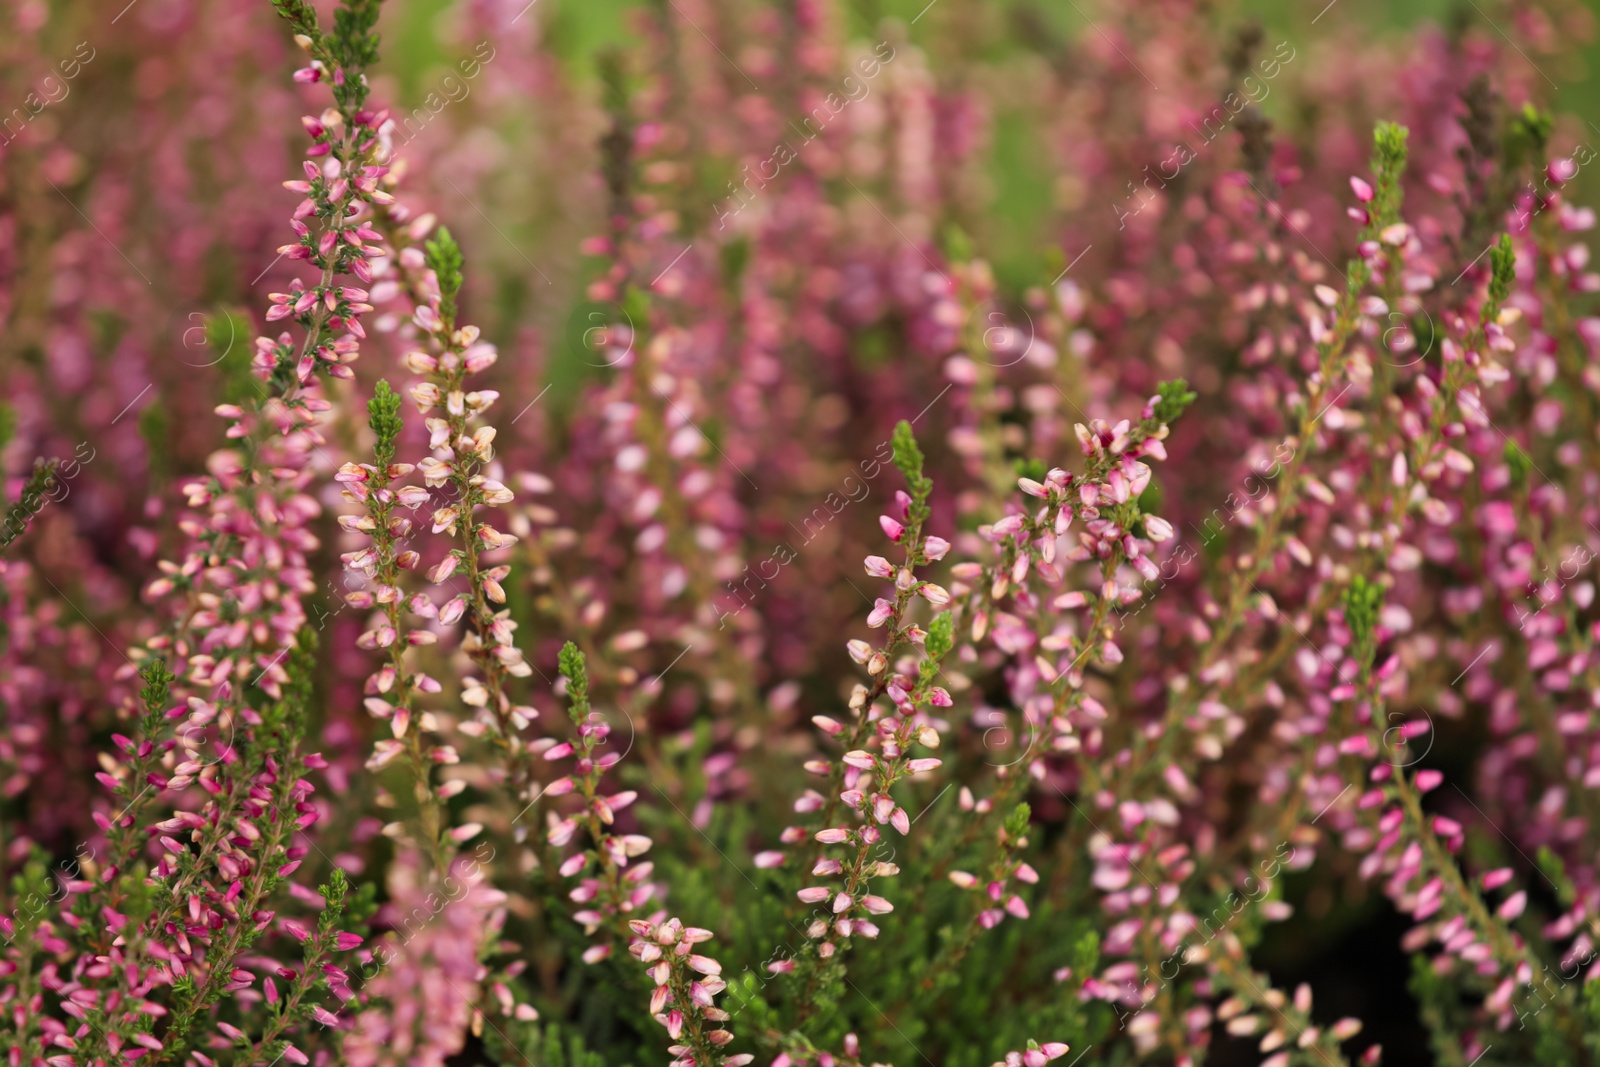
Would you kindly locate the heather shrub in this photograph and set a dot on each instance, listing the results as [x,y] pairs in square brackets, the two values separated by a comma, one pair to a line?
[798,534]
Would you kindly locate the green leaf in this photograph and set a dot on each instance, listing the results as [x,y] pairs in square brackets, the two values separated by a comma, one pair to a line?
[1362,603]
[157,689]
[576,672]
[1503,260]
[1017,821]
[444,258]
[1555,869]
[333,893]
[383,415]
[1533,128]
[1175,398]
[301,16]
[941,636]
[909,459]
[1035,469]
[1388,167]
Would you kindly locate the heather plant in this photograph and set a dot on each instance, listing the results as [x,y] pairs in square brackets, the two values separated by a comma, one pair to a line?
[749,603]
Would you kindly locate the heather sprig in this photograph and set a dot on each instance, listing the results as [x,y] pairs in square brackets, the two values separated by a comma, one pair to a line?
[614,887]
[261,803]
[462,455]
[445,260]
[34,493]
[900,636]
[318,973]
[341,56]
[134,789]
[391,691]
[992,896]
[686,986]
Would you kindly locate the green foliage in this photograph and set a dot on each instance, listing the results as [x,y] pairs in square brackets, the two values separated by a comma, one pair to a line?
[1440,1010]
[352,44]
[1528,134]
[154,428]
[735,256]
[299,692]
[535,1044]
[333,895]
[1388,167]
[1017,821]
[351,47]
[937,645]
[616,147]
[1034,468]
[8,424]
[225,337]
[383,415]
[576,672]
[158,681]
[1553,868]
[33,498]
[1519,463]
[29,899]
[909,459]
[300,15]
[636,306]
[873,348]
[444,258]
[1550,1045]
[1503,260]
[1362,603]
[1591,1018]
[957,245]
[1175,398]
[875,988]
[615,92]
[907,455]
[1389,149]
[941,636]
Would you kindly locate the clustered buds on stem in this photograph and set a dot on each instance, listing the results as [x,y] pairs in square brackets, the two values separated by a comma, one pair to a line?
[880,744]
[686,986]
[463,464]
[390,691]
[617,887]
